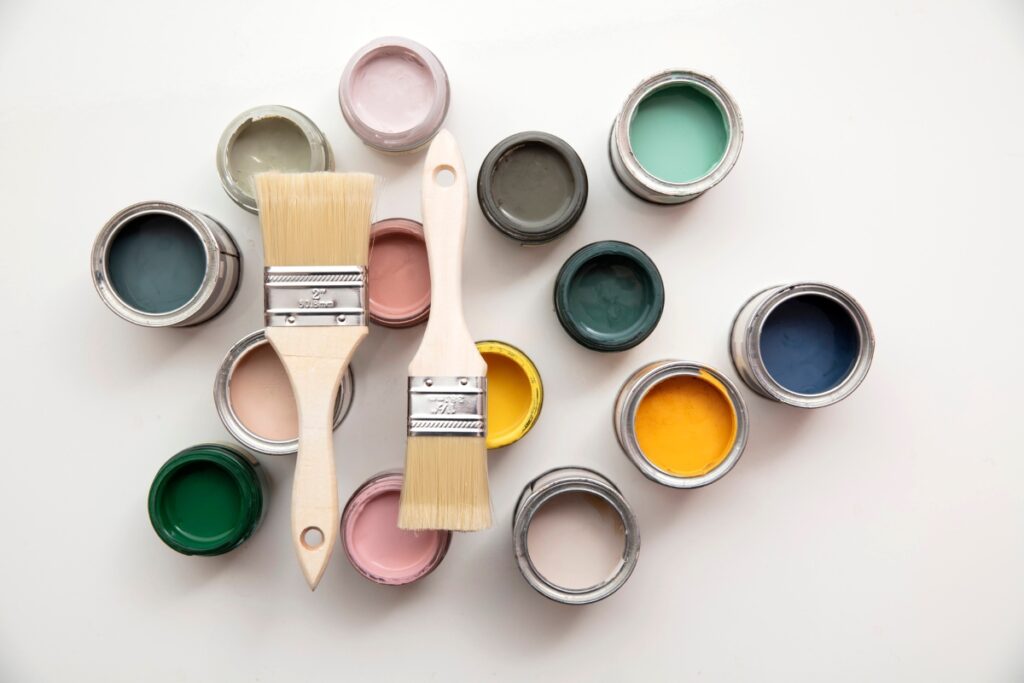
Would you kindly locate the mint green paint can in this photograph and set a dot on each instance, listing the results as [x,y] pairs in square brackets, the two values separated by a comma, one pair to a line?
[677,136]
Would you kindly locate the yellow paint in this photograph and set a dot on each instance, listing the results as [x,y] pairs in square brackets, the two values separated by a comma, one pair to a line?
[514,393]
[686,424]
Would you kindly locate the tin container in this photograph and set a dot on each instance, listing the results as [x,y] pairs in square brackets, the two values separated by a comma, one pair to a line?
[398,284]
[374,544]
[532,187]
[638,387]
[394,94]
[807,344]
[655,188]
[246,435]
[208,499]
[268,138]
[515,393]
[151,247]
[549,487]
[609,296]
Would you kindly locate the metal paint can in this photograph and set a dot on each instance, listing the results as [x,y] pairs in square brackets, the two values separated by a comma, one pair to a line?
[551,486]
[774,323]
[628,404]
[515,393]
[128,259]
[655,188]
[268,132]
[244,434]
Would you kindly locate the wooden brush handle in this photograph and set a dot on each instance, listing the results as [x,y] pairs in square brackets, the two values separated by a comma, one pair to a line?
[315,359]
[447,348]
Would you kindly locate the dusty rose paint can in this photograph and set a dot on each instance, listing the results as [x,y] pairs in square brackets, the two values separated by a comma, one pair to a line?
[374,544]
[394,94]
[398,274]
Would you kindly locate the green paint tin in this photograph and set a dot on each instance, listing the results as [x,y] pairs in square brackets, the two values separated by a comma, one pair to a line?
[207,499]
[609,296]
[532,187]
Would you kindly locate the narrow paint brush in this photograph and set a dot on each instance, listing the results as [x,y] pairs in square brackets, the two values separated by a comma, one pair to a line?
[316,229]
[446,454]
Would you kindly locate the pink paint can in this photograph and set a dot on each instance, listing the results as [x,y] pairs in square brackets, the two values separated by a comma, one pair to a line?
[398,274]
[394,94]
[374,544]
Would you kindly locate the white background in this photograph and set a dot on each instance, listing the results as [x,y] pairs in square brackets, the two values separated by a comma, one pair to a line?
[881,539]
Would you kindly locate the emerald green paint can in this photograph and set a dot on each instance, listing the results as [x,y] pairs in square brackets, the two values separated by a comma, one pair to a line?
[677,136]
[208,499]
[609,296]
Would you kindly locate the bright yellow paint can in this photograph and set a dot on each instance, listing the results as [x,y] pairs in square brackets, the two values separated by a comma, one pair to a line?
[514,393]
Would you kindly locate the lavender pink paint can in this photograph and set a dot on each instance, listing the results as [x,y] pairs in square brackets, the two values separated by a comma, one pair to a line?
[374,544]
[394,94]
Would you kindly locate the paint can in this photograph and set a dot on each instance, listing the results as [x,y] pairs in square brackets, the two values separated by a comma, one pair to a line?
[807,344]
[532,187]
[609,296]
[208,499]
[268,138]
[682,424]
[515,393]
[575,538]
[394,94]
[157,264]
[254,398]
[678,134]
[398,274]
[374,544]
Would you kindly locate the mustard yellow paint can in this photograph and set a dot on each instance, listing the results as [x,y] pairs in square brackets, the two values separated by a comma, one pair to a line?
[515,393]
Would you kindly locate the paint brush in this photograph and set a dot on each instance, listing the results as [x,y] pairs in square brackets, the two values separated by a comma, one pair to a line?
[446,454]
[316,229]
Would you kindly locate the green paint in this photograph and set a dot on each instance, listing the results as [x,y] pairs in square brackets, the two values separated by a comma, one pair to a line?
[156,263]
[206,500]
[609,296]
[679,134]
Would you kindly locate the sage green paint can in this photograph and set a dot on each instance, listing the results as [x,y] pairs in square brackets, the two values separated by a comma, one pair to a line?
[207,499]
[677,136]
[609,296]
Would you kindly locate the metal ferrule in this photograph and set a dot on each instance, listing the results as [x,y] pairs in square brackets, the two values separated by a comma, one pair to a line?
[315,296]
[448,406]
[541,491]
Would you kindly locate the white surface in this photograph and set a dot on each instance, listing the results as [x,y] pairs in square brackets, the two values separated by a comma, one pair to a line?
[881,539]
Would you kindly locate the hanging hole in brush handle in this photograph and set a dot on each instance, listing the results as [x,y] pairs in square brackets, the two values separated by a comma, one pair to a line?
[312,537]
[444,176]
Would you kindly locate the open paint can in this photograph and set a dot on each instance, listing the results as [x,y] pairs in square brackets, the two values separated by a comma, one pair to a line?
[576,539]
[394,94]
[677,136]
[254,398]
[682,424]
[398,274]
[268,138]
[609,296]
[374,544]
[208,499]
[807,344]
[532,187]
[157,264]
[515,393]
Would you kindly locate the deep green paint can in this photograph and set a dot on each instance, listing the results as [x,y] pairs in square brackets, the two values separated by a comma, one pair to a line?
[609,296]
[208,499]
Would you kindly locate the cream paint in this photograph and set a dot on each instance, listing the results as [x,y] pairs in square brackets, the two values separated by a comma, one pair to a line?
[265,144]
[576,540]
[261,395]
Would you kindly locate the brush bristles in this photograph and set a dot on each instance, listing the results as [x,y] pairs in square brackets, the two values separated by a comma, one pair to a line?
[315,219]
[445,484]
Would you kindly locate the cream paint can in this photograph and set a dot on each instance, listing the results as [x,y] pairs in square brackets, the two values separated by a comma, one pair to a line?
[158,264]
[576,539]
[254,398]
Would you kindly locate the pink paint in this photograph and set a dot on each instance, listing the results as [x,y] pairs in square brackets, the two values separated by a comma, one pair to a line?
[376,547]
[399,273]
[394,94]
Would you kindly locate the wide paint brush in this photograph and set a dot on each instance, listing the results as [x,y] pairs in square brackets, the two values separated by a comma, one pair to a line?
[316,229]
[446,454]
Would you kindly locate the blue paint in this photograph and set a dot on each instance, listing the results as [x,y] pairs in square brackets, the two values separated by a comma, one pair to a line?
[809,344]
